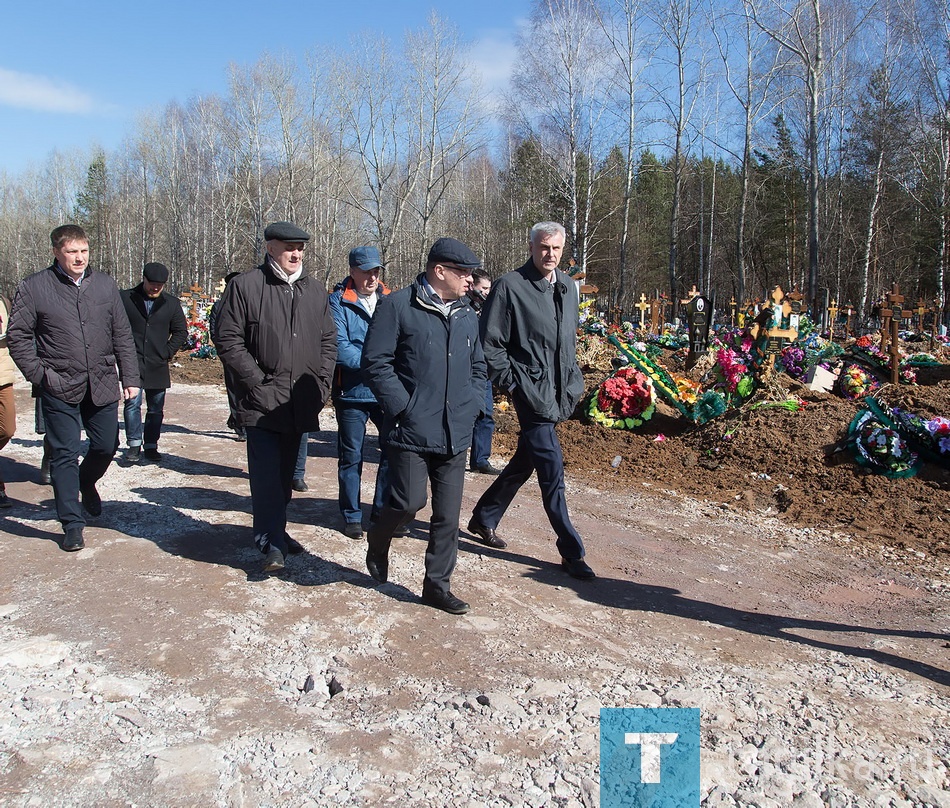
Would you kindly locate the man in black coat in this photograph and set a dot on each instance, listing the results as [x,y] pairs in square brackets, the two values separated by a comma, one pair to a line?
[424,364]
[68,332]
[277,339]
[159,330]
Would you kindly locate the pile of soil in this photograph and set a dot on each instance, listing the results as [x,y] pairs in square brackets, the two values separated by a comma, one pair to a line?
[768,461]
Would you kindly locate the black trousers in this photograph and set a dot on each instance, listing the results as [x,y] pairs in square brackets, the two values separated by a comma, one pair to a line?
[64,424]
[409,474]
[538,450]
[271,458]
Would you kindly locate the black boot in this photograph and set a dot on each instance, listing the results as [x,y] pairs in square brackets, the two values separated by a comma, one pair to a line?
[44,464]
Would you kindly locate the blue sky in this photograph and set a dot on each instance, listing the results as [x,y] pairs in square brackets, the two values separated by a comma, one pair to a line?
[76,74]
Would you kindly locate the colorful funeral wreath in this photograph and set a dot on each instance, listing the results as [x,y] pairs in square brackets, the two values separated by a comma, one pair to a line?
[881,448]
[623,401]
[855,382]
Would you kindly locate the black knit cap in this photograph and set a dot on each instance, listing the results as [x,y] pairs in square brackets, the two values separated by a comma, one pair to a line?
[452,251]
[155,272]
[285,231]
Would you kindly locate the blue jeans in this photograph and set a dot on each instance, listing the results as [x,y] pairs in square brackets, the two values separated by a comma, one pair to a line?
[351,435]
[64,423]
[481,434]
[271,457]
[154,416]
[300,469]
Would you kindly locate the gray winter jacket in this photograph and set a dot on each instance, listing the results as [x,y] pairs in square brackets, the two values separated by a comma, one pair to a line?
[529,334]
[67,338]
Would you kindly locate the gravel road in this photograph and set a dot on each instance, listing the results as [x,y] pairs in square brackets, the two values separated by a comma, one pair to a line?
[157,667]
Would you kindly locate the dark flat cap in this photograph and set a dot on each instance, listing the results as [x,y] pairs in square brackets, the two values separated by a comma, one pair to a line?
[452,251]
[365,258]
[285,231]
[155,272]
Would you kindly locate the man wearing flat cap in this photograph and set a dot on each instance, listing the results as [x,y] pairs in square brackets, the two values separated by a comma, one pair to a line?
[353,303]
[423,361]
[277,338]
[69,334]
[159,330]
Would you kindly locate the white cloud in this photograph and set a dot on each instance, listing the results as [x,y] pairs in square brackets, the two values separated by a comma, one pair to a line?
[493,56]
[42,94]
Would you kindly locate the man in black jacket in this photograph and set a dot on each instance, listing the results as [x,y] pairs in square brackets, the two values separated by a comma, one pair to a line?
[529,333]
[276,337]
[68,330]
[159,330]
[424,364]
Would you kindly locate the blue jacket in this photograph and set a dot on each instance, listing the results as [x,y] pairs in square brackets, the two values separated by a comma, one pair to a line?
[426,370]
[352,322]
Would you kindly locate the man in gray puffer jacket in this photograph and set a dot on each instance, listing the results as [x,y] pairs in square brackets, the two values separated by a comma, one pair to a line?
[68,331]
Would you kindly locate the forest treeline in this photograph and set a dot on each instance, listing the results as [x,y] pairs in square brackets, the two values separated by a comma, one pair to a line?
[732,145]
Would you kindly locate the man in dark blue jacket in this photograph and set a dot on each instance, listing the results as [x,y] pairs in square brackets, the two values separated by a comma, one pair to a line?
[159,330]
[423,361]
[353,304]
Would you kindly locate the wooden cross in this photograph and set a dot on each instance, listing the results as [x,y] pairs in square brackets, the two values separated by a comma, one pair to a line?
[732,310]
[656,314]
[921,311]
[794,300]
[832,313]
[849,311]
[894,313]
[690,295]
[777,336]
[196,290]
[643,305]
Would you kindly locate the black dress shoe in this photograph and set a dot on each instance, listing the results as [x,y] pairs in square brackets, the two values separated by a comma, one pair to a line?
[300,485]
[577,568]
[5,500]
[486,468]
[73,540]
[153,454]
[91,500]
[445,601]
[353,530]
[486,535]
[378,565]
[294,547]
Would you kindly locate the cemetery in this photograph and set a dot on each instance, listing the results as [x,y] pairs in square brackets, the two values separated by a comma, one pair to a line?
[763,411]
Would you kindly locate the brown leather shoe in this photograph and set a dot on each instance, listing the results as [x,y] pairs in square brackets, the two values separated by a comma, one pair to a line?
[486,535]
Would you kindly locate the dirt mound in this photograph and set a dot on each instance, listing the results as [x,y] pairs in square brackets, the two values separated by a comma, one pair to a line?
[769,461]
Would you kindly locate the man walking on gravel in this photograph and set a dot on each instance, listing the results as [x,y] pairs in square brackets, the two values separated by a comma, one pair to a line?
[424,363]
[353,304]
[529,333]
[276,337]
[159,330]
[68,332]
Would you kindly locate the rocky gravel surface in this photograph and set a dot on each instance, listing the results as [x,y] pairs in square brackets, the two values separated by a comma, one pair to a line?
[158,667]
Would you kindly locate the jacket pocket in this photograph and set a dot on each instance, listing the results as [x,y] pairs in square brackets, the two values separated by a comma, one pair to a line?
[535,388]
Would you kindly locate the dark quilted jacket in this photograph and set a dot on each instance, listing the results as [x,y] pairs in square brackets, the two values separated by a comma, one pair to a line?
[65,338]
[279,343]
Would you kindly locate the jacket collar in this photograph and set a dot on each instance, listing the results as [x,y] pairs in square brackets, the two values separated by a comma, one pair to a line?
[349,291]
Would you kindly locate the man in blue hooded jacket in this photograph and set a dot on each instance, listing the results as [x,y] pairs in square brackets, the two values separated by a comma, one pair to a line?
[353,304]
